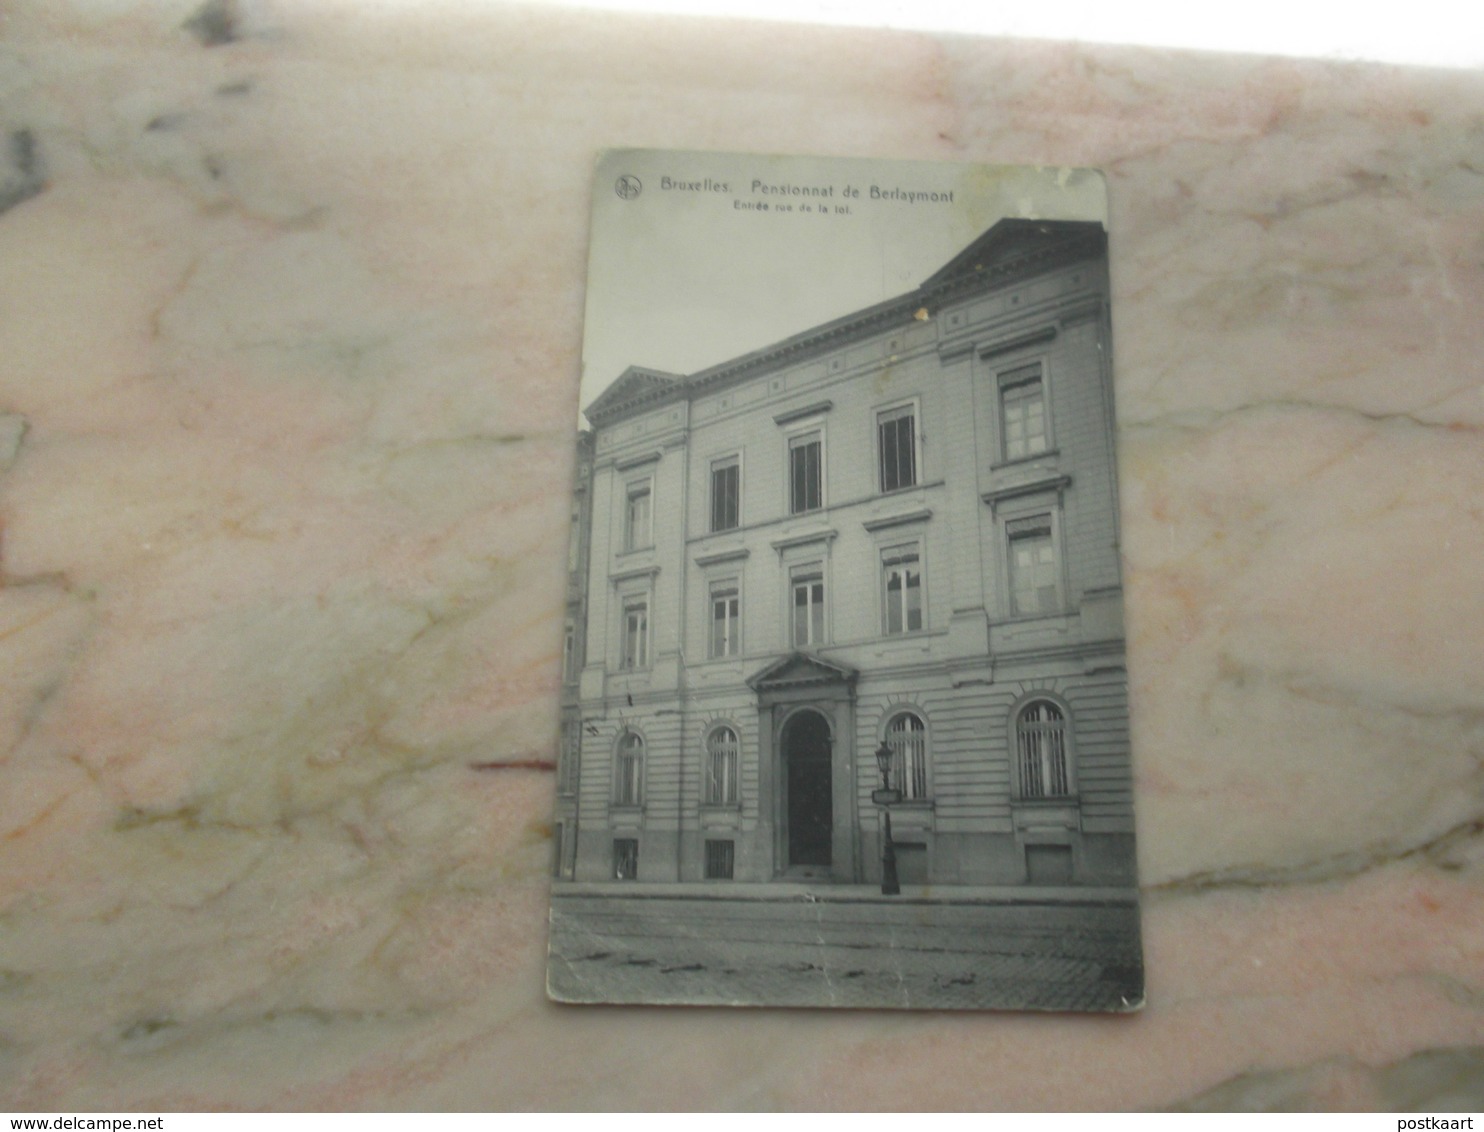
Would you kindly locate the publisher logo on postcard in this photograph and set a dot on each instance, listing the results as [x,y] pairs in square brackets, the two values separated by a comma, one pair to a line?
[628,187]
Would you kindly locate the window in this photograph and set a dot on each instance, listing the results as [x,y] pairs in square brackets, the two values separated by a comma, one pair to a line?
[808,615]
[569,652]
[558,838]
[574,541]
[635,633]
[1041,751]
[805,473]
[1034,582]
[906,735]
[725,628]
[902,576]
[896,434]
[626,858]
[721,767]
[720,856]
[569,757]
[629,773]
[638,525]
[1023,412]
[726,494]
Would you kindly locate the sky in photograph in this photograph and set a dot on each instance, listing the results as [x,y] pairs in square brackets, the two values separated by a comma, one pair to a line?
[681,278]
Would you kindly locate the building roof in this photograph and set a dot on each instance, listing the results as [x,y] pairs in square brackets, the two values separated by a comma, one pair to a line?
[1013,247]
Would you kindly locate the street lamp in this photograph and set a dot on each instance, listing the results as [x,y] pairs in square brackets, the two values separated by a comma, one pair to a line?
[885,798]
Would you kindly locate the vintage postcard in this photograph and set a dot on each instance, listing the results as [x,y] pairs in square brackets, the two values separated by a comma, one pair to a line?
[845,707]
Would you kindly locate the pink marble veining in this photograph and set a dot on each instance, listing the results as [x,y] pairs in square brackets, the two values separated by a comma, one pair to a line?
[289,332]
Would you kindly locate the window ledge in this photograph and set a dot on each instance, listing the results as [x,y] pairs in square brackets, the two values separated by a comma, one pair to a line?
[1048,454]
[1047,801]
[906,487]
[1025,618]
[721,807]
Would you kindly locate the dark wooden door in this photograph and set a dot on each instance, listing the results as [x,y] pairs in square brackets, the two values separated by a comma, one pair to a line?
[811,822]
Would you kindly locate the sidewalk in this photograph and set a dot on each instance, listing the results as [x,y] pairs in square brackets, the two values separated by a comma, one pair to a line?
[789,892]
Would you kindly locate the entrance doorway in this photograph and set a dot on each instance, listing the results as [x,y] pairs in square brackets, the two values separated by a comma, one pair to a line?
[810,799]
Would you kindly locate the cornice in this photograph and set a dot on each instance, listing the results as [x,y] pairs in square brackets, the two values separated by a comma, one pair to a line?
[790,415]
[628,463]
[917,305]
[788,542]
[1084,311]
[620,576]
[902,518]
[1056,481]
[735,554]
[1035,337]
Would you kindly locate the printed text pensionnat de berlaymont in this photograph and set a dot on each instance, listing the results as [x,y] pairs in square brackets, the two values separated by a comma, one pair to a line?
[847,192]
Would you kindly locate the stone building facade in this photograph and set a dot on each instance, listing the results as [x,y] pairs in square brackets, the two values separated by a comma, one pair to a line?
[900,527]
[574,656]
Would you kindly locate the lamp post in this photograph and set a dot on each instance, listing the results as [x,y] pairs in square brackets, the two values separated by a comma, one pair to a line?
[884,798]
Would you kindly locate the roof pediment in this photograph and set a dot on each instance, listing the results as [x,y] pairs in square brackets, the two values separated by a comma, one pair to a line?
[634,384]
[799,670]
[1014,242]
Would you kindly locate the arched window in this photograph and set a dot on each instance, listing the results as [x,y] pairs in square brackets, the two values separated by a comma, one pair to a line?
[906,735]
[722,751]
[1041,750]
[628,776]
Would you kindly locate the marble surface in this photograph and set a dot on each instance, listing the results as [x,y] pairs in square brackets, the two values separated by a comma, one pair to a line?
[290,298]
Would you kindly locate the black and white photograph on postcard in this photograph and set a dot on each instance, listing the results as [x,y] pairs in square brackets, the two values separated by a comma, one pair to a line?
[845,707]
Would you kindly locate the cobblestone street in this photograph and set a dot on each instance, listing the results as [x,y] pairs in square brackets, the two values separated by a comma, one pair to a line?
[862,952]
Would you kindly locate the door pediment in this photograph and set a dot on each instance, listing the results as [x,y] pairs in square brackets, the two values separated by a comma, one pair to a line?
[798,671]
